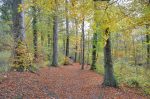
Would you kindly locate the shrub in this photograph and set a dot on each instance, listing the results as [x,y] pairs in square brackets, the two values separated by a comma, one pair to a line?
[23,59]
[67,61]
[146,87]
[133,82]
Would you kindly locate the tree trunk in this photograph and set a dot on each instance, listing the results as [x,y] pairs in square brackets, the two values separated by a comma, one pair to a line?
[83,45]
[94,45]
[48,40]
[35,34]
[21,61]
[67,30]
[55,41]
[88,50]
[49,45]
[18,22]
[76,49]
[148,48]
[94,52]
[109,79]
[18,25]
[64,45]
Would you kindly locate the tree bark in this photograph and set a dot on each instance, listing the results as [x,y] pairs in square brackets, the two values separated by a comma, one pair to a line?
[18,22]
[109,79]
[94,45]
[83,45]
[94,52]
[67,30]
[18,25]
[76,49]
[49,45]
[35,34]
[148,48]
[55,39]
[20,62]
[88,50]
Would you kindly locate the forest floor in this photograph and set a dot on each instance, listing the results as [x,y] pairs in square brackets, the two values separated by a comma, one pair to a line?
[65,82]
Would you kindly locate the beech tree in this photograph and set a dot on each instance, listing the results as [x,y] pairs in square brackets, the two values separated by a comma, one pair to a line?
[94,45]
[55,35]
[18,21]
[22,59]
[109,79]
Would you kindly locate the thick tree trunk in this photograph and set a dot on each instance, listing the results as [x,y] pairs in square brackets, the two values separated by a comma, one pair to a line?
[18,22]
[55,41]
[83,45]
[109,79]
[35,34]
[67,30]
[21,61]
[18,25]
[94,52]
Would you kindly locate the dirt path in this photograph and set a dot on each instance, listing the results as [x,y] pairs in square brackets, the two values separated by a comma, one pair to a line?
[68,82]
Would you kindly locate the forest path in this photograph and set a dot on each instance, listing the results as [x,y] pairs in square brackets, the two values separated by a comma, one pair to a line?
[67,82]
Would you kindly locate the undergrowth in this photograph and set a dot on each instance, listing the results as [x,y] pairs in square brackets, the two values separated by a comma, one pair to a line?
[132,76]
[4,61]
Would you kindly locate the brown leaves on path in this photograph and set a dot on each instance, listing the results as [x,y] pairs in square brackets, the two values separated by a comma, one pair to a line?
[67,82]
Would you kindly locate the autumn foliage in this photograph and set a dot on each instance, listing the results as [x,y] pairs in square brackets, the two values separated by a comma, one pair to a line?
[22,60]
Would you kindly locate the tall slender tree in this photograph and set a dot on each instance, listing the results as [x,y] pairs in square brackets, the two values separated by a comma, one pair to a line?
[76,48]
[67,30]
[94,52]
[83,44]
[148,46]
[49,39]
[55,36]
[94,45]
[35,34]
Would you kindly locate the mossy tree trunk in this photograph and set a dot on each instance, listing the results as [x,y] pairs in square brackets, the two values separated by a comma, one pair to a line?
[18,21]
[22,60]
[94,52]
[18,25]
[35,34]
[109,79]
